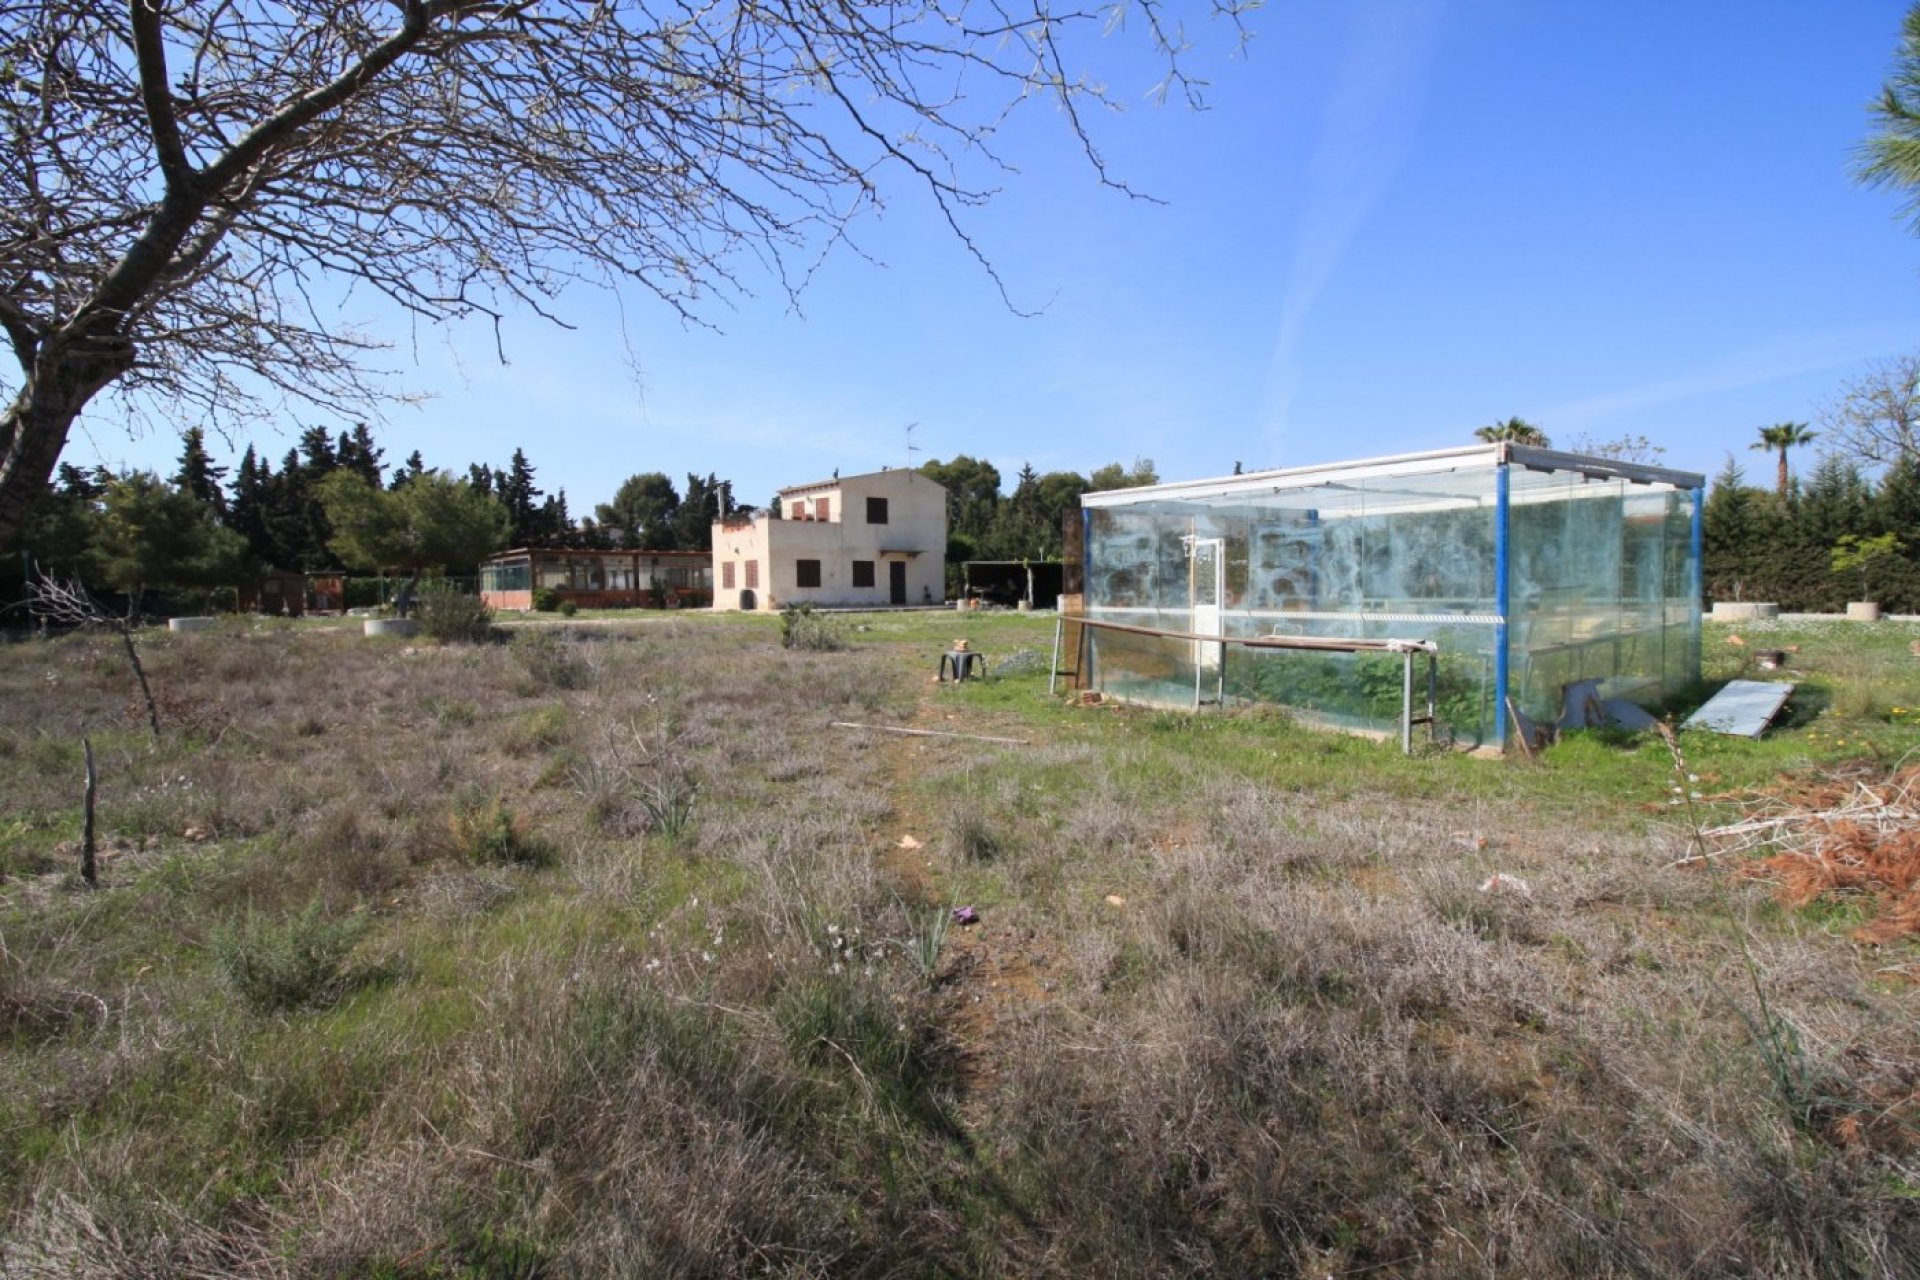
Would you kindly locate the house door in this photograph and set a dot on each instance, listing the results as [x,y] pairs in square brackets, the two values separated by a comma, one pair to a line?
[897,581]
[1206,587]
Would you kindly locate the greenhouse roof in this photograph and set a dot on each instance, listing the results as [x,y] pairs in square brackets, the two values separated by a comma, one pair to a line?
[1481,457]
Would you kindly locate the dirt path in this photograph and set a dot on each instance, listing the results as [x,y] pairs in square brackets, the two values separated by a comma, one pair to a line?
[992,972]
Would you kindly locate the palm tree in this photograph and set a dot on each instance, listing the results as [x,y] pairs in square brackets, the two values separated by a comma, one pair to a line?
[1783,436]
[1513,431]
[1891,158]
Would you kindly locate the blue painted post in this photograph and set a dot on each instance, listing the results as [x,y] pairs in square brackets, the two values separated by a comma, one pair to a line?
[1501,600]
[1083,660]
[1696,581]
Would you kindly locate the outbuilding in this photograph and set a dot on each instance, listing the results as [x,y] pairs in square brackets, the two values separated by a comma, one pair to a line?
[1528,569]
[598,579]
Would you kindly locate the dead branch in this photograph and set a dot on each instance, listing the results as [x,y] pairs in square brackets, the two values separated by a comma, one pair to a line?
[69,604]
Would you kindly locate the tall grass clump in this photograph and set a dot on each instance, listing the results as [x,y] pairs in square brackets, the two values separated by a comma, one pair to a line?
[277,965]
[972,834]
[490,832]
[638,780]
[668,797]
[929,942]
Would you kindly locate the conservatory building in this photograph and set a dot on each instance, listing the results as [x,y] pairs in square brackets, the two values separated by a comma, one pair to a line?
[1521,570]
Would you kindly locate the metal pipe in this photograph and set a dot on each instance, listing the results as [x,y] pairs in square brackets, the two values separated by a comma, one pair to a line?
[1335,644]
[1406,703]
[1053,672]
[1502,601]
[1433,696]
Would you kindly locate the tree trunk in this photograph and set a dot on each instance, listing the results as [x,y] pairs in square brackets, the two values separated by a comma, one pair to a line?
[404,603]
[1783,472]
[67,372]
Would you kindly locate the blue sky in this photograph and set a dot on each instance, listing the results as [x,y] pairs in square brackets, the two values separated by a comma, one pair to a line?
[1394,223]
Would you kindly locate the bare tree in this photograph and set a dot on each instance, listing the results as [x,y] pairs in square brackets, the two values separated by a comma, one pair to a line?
[188,186]
[1625,448]
[69,604]
[1877,417]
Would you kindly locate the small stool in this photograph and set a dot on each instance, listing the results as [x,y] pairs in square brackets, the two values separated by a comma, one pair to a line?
[959,664]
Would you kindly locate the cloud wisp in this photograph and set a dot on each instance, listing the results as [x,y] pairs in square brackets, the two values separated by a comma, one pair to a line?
[1365,135]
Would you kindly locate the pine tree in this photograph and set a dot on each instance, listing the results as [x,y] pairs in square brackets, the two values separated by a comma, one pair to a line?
[553,526]
[642,512]
[86,486]
[297,527]
[703,504]
[317,452]
[358,453]
[1896,506]
[1727,527]
[59,531]
[408,470]
[517,492]
[247,512]
[1834,504]
[197,477]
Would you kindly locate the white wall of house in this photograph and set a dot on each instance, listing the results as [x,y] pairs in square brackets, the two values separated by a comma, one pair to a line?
[875,539]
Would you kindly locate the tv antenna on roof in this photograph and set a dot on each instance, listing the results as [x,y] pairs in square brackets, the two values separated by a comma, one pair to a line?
[912,448]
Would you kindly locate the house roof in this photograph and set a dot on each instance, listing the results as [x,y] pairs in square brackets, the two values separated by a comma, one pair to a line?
[624,553]
[837,481]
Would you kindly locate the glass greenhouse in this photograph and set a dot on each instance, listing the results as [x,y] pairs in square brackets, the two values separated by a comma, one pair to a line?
[1528,568]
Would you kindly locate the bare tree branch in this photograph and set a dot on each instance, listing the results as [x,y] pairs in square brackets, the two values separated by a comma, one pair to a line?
[69,604]
[178,177]
[1876,418]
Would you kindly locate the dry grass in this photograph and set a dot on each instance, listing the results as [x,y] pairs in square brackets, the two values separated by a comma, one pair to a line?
[1239,1003]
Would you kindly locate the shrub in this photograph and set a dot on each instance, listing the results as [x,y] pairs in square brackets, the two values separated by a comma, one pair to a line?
[801,628]
[553,658]
[454,617]
[546,600]
[568,608]
[535,730]
[287,964]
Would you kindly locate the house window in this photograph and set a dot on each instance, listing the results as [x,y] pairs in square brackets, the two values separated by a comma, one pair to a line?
[806,573]
[863,573]
[821,508]
[876,510]
[753,575]
[799,511]
[726,576]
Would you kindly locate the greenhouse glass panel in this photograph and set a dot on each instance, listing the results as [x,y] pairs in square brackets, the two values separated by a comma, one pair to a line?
[1529,568]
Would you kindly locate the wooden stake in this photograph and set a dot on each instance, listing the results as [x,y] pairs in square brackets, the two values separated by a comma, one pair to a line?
[88,871]
[1522,732]
[930,733]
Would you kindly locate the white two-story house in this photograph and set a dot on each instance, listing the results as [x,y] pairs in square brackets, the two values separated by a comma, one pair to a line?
[873,540]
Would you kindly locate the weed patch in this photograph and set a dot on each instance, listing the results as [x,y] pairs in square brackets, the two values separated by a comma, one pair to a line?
[275,965]
[489,832]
